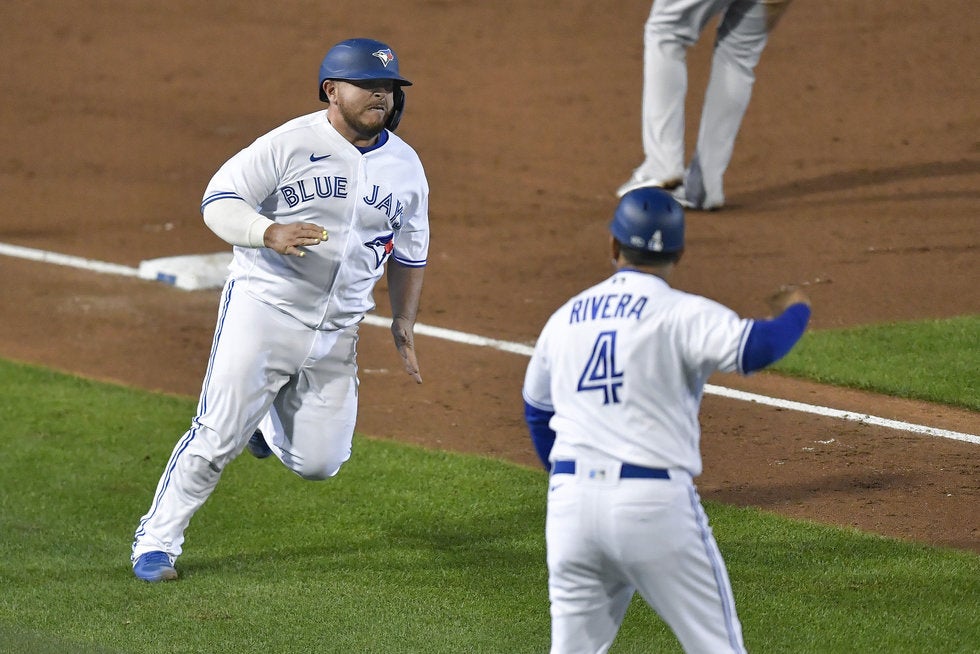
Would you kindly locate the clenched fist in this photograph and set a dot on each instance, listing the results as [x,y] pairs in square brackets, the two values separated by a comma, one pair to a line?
[786,297]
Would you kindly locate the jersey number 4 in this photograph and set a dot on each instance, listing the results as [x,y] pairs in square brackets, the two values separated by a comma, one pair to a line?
[601,373]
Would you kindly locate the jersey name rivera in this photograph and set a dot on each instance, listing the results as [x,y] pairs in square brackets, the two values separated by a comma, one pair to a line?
[306,190]
[607,306]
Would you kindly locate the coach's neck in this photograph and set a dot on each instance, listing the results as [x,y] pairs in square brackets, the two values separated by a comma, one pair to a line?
[660,269]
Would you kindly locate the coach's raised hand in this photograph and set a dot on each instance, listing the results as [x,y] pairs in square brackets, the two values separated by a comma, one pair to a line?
[785,297]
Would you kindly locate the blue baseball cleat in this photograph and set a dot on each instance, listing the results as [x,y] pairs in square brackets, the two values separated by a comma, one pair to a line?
[155,566]
[257,445]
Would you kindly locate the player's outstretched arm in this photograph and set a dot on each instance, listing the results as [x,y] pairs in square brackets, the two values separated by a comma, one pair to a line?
[771,340]
[404,291]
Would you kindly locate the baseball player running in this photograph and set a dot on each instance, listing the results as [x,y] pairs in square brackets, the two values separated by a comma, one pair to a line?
[315,209]
[674,26]
[612,395]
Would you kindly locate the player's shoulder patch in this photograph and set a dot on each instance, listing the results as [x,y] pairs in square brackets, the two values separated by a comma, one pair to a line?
[382,247]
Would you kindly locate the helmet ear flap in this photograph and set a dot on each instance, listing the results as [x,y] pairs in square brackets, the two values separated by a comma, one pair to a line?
[397,108]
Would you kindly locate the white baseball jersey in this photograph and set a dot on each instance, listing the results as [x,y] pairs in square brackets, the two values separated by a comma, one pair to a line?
[623,366]
[373,206]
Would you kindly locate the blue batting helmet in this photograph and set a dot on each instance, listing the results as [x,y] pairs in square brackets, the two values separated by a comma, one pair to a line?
[360,59]
[649,219]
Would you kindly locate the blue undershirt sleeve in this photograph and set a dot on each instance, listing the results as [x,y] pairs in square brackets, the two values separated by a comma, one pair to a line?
[541,434]
[771,340]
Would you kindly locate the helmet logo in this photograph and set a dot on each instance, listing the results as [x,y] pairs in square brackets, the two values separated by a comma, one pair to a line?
[386,56]
[656,243]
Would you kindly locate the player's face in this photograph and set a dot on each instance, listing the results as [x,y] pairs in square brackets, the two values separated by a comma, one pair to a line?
[362,106]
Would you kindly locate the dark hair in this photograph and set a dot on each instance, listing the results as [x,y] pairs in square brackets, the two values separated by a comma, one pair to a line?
[638,257]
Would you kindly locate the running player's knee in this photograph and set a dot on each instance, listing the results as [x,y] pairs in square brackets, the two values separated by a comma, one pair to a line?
[317,474]
[319,468]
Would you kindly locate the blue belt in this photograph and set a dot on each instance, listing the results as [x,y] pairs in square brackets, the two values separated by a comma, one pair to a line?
[628,471]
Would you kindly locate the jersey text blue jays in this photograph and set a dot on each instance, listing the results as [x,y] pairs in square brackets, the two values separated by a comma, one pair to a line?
[305,190]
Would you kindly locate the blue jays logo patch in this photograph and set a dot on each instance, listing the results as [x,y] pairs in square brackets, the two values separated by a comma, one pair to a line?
[386,56]
[382,247]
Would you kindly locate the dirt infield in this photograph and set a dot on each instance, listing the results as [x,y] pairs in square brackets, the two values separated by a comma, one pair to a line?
[857,173]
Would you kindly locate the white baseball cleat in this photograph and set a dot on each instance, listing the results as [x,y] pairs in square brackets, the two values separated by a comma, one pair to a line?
[636,182]
[681,197]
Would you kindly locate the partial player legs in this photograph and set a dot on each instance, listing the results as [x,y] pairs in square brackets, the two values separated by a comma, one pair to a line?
[187,482]
[606,538]
[592,629]
[683,576]
[255,347]
[588,599]
[311,424]
[741,38]
[664,94]
[672,27]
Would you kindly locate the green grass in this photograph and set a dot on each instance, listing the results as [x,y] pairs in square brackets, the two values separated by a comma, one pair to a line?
[406,550]
[934,360]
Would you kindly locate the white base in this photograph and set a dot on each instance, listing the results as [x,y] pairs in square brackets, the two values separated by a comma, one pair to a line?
[190,272]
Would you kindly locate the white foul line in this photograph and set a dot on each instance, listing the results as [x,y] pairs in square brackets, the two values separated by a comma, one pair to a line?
[526,350]
[67,260]
[844,415]
[457,337]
